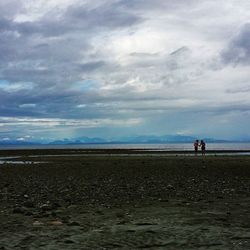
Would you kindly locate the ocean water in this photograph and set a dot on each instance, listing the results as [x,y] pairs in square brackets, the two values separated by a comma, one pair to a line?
[143,147]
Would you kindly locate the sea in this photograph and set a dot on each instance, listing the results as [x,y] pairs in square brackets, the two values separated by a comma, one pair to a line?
[143,147]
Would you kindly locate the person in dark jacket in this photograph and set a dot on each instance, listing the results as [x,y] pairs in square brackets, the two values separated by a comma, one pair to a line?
[196,145]
[203,147]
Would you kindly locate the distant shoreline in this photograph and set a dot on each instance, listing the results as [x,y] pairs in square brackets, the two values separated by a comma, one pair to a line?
[154,147]
[118,152]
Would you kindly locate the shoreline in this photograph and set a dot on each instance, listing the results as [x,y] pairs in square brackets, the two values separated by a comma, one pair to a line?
[8,151]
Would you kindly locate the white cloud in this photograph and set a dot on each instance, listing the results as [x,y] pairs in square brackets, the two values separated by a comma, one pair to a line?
[15,87]
[55,122]
[27,105]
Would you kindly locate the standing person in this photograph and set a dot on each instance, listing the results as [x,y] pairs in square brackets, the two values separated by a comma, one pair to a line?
[203,147]
[196,145]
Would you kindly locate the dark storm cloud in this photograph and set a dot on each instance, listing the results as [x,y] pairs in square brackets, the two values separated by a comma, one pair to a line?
[90,66]
[46,28]
[106,15]
[238,50]
[156,4]
[45,63]
[5,24]
[26,59]
[28,54]
[75,18]
[10,8]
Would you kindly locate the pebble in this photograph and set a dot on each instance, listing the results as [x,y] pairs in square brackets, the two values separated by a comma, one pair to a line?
[46,207]
[28,213]
[73,224]
[19,210]
[37,223]
[28,204]
[163,200]
[170,186]
[56,223]
[69,242]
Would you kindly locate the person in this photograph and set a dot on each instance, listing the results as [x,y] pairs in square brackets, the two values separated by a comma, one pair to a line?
[203,147]
[196,144]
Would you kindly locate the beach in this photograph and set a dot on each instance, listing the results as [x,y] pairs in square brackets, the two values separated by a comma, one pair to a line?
[124,199]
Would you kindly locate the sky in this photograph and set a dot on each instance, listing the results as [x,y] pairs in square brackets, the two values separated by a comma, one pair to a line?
[117,68]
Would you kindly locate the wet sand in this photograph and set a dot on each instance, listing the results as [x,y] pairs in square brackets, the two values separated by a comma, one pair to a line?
[123,202]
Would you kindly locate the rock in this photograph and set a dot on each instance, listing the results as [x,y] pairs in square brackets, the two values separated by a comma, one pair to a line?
[145,224]
[37,223]
[19,210]
[163,200]
[74,224]
[120,214]
[55,205]
[219,197]
[56,223]
[72,207]
[99,212]
[122,222]
[131,230]
[46,207]
[28,213]
[65,219]
[44,214]
[53,213]
[69,242]
[28,204]
[67,199]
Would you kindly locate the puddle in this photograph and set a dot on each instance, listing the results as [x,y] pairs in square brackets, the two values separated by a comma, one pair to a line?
[11,160]
[9,157]
[21,162]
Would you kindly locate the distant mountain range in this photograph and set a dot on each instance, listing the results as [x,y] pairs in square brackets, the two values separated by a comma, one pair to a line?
[123,140]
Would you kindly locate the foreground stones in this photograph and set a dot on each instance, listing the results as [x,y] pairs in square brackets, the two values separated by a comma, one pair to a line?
[125,202]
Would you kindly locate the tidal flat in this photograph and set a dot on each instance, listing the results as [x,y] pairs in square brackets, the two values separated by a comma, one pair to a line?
[107,199]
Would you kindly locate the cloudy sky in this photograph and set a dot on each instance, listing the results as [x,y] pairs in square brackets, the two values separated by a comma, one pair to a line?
[113,68]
